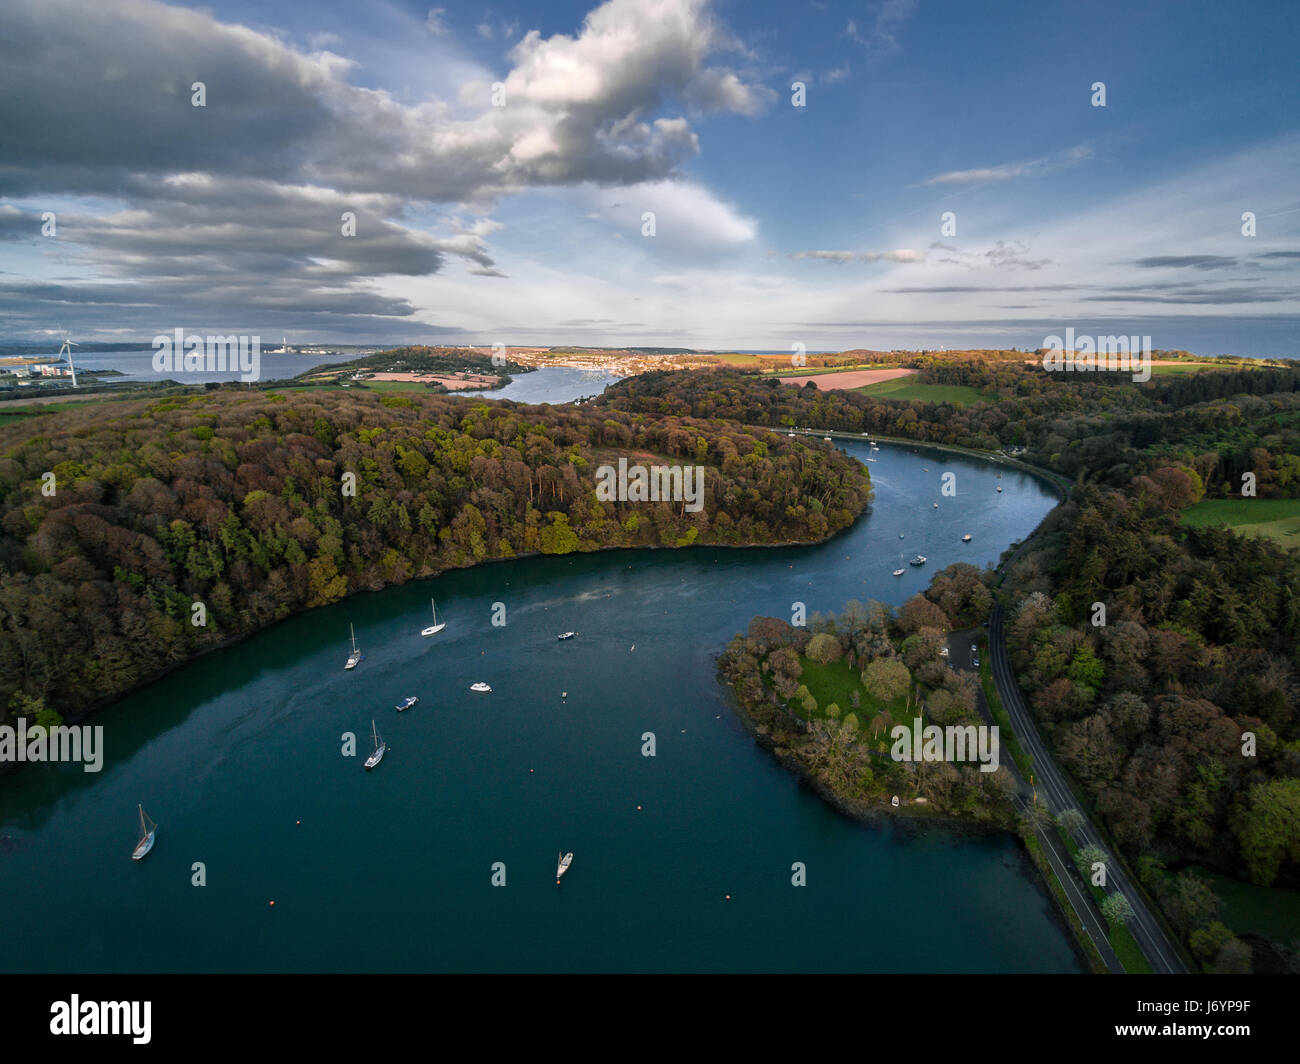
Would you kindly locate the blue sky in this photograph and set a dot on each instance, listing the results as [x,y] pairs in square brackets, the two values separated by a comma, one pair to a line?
[774,224]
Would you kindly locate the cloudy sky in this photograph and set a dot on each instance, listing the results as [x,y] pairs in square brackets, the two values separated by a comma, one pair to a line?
[500,160]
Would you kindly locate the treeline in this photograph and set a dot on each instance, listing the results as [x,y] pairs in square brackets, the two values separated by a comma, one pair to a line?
[1093,427]
[116,520]
[1176,708]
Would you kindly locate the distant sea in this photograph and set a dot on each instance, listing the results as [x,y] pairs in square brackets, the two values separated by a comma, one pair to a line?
[138,366]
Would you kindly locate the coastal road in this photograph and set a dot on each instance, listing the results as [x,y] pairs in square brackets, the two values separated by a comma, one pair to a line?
[961,658]
[1051,783]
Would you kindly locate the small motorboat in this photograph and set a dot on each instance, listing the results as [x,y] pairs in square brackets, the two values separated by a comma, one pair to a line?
[566,635]
[899,572]
[406,703]
[918,560]
[935,505]
[999,487]
[966,538]
[562,866]
[480,686]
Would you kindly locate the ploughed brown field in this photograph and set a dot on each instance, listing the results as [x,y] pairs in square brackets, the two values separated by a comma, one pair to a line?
[854,378]
[452,384]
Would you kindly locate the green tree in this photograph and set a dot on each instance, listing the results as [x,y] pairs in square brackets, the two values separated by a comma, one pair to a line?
[1268,828]
[887,679]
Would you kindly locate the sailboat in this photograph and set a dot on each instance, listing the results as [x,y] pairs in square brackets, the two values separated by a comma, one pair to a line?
[148,829]
[355,657]
[900,570]
[434,628]
[381,747]
[562,866]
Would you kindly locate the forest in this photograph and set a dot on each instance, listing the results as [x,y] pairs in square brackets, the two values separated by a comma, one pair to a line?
[1090,427]
[115,520]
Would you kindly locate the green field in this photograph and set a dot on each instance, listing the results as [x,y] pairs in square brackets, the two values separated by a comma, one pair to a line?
[1185,367]
[909,388]
[1275,519]
[6,419]
[1273,912]
[836,683]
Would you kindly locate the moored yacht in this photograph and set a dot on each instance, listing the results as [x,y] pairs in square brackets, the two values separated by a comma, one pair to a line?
[148,829]
[381,747]
[354,658]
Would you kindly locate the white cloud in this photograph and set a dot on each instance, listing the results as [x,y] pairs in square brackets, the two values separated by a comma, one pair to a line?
[688,217]
[1033,168]
[436,21]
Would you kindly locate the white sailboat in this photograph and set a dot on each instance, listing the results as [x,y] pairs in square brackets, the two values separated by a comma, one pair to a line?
[381,747]
[562,866]
[148,829]
[354,658]
[900,570]
[434,628]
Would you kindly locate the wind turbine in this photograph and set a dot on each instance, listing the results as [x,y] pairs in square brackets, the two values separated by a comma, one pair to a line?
[66,349]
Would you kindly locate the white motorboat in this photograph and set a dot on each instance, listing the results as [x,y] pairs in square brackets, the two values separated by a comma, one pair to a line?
[566,635]
[918,560]
[562,866]
[966,538]
[480,686]
[406,703]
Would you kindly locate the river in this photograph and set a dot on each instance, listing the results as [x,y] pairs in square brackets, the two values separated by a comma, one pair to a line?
[238,758]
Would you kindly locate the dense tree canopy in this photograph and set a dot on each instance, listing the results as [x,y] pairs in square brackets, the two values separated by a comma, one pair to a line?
[239,501]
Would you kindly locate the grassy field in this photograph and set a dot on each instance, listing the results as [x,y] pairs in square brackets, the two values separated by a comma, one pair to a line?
[1184,367]
[1275,519]
[1273,912]
[836,683]
[8,419]
[908,388]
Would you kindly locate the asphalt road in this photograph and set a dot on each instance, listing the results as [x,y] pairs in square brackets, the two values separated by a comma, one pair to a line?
[1056,793]
[961,658]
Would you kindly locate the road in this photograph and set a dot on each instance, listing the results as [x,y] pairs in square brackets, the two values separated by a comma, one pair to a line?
[1056,793]
[962,657]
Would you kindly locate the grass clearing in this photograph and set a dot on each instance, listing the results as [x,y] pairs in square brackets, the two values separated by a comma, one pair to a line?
[836,682]
[1275,519]
[908,389]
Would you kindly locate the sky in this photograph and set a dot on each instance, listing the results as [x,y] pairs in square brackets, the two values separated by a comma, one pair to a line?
[712,174]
